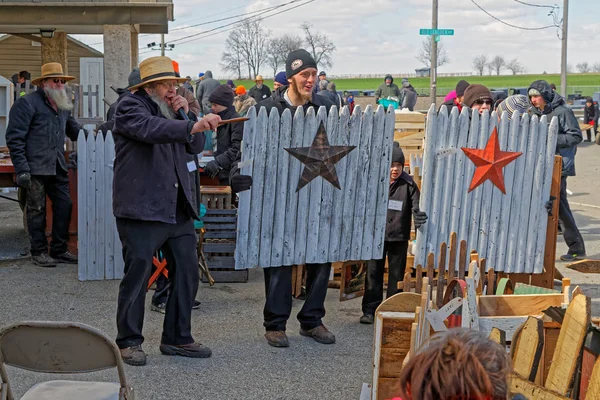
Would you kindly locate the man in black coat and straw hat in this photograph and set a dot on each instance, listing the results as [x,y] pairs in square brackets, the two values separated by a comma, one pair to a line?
[153,205]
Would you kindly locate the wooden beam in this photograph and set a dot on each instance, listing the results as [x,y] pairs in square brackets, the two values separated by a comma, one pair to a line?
[515,305]
[519,385]
[572,333]
[28,36]
[586,266]
[401,302]
[526,348]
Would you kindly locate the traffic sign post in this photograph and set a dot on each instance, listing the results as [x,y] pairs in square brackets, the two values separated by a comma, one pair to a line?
[432,32]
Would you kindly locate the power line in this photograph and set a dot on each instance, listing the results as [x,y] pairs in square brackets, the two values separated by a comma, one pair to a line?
[535,5]
[511,25]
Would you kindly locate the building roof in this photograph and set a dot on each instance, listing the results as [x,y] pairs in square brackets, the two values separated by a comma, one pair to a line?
[71,39]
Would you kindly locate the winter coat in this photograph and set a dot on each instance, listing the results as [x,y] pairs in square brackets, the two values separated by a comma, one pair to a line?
[110,114]
[329,96]
[409,98]
[589,114]
[243,103]
[151,161]
[260,94]
[450,104]
[193,104]
[35,135]
[404,190]
[278,102]
[229,142]
[569,134]
[205,88]
[188,86]
[384,91]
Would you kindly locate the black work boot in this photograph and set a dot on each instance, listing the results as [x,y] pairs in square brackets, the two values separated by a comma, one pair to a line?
[193,350]
[43,260]
[65,258]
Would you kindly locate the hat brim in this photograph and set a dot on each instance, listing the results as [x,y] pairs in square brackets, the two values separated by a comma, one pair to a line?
[37,81]
[160,78]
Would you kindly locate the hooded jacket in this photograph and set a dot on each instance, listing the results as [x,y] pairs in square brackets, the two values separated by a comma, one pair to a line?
[384,91]
[205,88]
[404,190]
[409,97]
[590,114]
[569,134]
[229,142]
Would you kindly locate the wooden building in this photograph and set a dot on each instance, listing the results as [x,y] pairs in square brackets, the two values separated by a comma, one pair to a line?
[18,54]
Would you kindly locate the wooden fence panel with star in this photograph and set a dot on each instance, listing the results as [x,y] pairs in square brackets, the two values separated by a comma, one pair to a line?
[488,181]
[320,186]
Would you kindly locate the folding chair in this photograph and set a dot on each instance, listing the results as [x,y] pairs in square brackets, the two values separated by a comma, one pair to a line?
[61,348]
[160,269]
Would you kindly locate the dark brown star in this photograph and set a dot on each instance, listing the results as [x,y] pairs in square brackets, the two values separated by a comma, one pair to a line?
[319,159]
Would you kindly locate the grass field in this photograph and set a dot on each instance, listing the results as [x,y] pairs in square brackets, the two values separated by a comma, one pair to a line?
[447,84]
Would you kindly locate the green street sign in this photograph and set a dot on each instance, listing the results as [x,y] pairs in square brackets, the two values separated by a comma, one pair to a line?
[429,32]
[437,38]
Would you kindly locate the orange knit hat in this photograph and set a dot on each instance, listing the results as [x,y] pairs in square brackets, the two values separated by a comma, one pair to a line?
[240,90]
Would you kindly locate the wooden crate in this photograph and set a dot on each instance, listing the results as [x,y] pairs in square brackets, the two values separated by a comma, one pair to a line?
[219,246]
[216,197]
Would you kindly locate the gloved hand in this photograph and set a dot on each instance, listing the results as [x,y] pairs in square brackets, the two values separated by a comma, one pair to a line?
[549,205]
[239,183]
[24,180]
[72,160]
[212,169]
[419,217]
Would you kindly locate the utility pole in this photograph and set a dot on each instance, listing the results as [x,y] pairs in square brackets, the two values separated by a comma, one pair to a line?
[434,51]
[162,44]
[563,58]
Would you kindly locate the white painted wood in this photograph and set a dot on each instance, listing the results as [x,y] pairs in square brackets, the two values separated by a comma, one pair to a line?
[327,192]
[82,181]
[472,303]
[268,195]
[465,216]
[281,191]
[291,206]
[507,324]
[488,123]
[343,132]
[451,170]
[351,188]
[316,189]
[91,72]
[92,265]
[373,180]
[101,209]
[437,318]
[109,221]
[477,194]
[383,188]
[258,183]
[245,197]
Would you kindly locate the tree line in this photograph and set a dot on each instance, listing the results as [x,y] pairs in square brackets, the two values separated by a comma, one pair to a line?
[250,47]
[496,64]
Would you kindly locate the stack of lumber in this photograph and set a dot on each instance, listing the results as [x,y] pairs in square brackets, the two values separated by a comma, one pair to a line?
[410,132]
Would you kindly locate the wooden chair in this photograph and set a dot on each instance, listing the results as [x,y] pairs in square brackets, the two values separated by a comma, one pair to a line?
[161,268]
[61,348]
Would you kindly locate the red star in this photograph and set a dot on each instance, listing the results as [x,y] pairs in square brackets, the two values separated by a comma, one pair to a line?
[489,162]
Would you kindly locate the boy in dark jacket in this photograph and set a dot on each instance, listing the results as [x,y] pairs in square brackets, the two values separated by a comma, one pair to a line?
[590,116]
[404,201]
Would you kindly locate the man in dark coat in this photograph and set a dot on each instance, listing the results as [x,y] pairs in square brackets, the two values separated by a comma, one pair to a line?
[301,70]
[408,95]
[35,137]
[153,205]
[403,204]
[547,102]
[461,86]
[229,137]
[260,91]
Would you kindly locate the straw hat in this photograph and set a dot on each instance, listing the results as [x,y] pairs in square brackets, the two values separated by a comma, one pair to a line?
[156,69]
[258,78]
[51,70]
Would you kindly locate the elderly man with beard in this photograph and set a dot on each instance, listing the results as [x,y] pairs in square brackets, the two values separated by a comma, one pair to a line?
[153,205]
[301,71]
[35,137]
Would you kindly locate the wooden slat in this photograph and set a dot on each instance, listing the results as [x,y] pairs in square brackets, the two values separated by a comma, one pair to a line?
[220,220]
[453,170]
[452,258]
[220,227]
[462,260]
[219,262]
[519,385]
[526,348]
[517,305]
[268,195]
[220,235]
[113,250]
[82,193]
[440,277]
[486,196]
[498,336]
[101,209]
[316,189]
[219,247]
[490,281]
[476,195]
[93,268]
[507,324]
[593,389]
[331,122]
[419,279]
[570,340]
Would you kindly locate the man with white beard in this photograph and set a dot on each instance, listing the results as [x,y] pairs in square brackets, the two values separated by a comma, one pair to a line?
[38,123]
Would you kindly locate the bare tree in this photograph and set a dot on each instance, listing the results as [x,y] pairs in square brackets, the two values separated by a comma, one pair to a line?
[497,63]
[318,45]
[490,68]
[479,63]
[515,66]
[425,53]
[583,67]
[279,48]
[596,67]
[248,43]
[232,60]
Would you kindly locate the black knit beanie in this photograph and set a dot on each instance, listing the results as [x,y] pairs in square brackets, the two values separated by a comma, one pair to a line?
[222,95]
[397,154]
[298,60]
[461,86]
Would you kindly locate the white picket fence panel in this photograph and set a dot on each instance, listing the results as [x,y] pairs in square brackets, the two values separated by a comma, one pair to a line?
[508,230]
[99,246]
[278,226]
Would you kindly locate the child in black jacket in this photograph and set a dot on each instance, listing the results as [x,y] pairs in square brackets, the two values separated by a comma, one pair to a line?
[403,203]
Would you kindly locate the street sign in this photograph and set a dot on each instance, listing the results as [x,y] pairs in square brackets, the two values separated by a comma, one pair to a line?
[445,32]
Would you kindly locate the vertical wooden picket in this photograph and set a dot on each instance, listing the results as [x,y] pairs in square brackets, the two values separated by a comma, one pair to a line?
[109,221]
[90,187]
[304,193]
[475,196]
[283,163]
[82,182]
[101,208]
[451,168]
[488,122]
[316,190]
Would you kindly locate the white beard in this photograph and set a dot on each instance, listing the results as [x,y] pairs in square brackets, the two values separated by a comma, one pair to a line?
[163,106]
[60,98]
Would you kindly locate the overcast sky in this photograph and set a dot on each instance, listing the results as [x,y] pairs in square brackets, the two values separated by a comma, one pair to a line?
[382,36]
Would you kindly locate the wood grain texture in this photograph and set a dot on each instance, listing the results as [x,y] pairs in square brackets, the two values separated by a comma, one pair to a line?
[517,305]
[526,348]
[278,247]
[82,245]
[113,250]
[93,267]
[570,340]
[101,211]
[507,324]
[498,335]
[271,168]
[519,385]
[593,389]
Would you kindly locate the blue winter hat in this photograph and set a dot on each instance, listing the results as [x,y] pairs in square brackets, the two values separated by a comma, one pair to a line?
[281,78]
[201,74]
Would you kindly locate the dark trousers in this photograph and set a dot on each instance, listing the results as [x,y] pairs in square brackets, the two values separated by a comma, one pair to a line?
[163,286]
[396,253]
[278,293]
[570,233]
[56,187]
[141,239]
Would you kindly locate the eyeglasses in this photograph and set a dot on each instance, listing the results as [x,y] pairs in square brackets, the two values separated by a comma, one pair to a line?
[169,85]
[61,81]
[482,102]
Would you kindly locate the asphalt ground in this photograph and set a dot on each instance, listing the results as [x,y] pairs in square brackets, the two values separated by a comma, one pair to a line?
[229,321]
